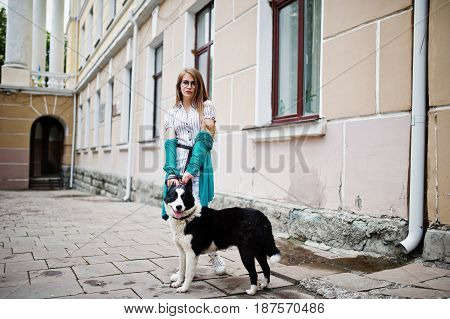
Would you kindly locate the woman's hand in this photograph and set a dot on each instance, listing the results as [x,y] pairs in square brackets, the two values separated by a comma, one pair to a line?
[172,181]
[186,177]
[210,126]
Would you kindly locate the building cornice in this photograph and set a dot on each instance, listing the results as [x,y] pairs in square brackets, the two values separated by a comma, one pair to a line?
[35,90]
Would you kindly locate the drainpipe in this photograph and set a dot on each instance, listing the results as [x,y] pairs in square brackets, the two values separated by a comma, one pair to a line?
[72,158]
[132,102]
[418,128]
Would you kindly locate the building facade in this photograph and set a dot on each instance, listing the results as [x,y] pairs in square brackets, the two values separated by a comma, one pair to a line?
[314,109]
[36,105]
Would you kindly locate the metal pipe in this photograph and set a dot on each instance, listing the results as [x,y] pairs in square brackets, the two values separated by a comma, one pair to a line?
[72,159]
[132,102]
[74,125]
[418,128]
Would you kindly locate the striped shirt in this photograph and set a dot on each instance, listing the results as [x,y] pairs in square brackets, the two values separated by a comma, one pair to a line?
[187,126]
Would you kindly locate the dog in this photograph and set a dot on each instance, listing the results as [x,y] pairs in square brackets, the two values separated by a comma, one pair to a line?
[198,230]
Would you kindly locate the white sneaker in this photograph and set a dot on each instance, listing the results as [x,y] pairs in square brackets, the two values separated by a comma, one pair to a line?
[218,264]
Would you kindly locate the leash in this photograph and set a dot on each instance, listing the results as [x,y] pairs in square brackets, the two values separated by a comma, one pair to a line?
[186,147]
[189,154]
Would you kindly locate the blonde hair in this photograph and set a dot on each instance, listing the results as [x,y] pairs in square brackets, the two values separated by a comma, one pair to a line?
[199,97]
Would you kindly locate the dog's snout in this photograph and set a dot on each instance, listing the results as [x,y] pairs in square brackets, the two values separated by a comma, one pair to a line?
[179,207]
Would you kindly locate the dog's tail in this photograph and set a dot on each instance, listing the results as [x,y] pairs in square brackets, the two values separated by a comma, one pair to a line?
[272,251]
[269,244]
[275,259]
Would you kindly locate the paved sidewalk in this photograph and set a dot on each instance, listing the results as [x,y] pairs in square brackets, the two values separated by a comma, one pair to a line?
[69,244]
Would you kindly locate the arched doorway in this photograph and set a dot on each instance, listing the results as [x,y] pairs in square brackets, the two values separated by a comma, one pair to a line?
[46,151]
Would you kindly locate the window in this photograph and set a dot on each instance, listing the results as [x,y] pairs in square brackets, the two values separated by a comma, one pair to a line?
[99,24]
[82,45]
[87,128]
[79,126]
[125,112]
[204,39]
[296,52]
[129,115]
[111,12]
[96,117]
[108,113]
[89,26]
[102,113]
[153,86]
[157,77]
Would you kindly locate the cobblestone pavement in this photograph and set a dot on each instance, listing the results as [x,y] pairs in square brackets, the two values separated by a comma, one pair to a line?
[69,244]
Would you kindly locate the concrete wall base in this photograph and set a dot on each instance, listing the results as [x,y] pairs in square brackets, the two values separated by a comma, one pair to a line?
[436,245]
[337,229]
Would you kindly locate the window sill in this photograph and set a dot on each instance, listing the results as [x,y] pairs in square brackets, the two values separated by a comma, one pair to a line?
[287,131]
[154,143]
[106,148]
[122,147]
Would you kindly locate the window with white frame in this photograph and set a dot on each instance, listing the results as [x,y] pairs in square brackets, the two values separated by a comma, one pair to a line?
[101,113]
[87,127]
[89,27]
[79,126]
[157,78]
[96,117]
[204,44]
[125,112]
[296,58]
[99,22]
[108,113]
[82,46]
[111,12]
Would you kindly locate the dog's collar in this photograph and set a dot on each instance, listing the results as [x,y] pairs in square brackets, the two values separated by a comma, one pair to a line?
[194,211]
[182,218]
[187,216]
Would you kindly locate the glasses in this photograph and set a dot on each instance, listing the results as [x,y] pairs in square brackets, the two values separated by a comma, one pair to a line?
[185,84]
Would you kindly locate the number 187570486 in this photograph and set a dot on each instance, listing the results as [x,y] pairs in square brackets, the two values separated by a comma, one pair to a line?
[289,307]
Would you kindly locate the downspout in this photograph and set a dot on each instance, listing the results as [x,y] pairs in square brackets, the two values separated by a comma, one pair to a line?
[72,159]
[418,128]
[74,130]
[131,127]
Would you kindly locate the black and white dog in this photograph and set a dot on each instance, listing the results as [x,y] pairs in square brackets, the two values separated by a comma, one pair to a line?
[197,230]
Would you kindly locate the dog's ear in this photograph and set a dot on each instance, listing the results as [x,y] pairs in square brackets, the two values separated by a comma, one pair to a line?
[189,185]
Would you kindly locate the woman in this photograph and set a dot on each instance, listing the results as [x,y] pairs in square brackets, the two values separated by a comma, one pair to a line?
[189,129]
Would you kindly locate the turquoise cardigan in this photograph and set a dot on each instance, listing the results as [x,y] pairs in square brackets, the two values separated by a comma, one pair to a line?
[200,162]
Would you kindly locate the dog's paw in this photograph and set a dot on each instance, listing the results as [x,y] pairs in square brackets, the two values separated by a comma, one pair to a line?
[174,277]
[251,291]
[175,284]
[182,289]
[264,283]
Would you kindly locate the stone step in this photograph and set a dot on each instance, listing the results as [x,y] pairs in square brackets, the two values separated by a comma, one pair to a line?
[46,183]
